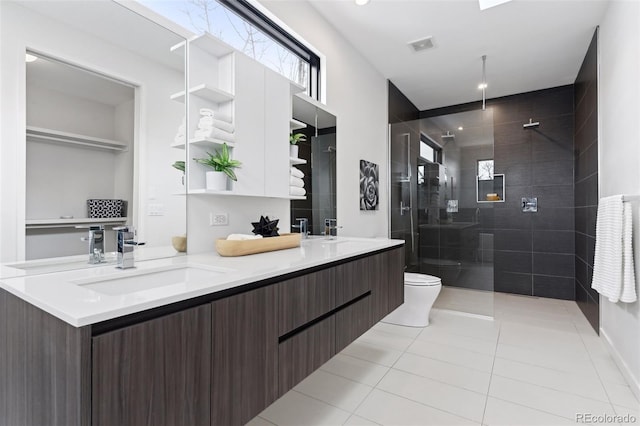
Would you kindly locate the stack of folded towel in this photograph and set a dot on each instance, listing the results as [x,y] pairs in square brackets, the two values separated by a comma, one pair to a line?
[180,134]
[212,124]
[296,184]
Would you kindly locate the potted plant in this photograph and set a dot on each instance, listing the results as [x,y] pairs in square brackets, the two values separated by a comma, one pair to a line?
[180,165]
[293,140]
[222,166]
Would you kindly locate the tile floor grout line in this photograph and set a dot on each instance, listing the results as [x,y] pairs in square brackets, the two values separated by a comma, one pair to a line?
[374,387]
[602,381]
[493,364]
[556,390]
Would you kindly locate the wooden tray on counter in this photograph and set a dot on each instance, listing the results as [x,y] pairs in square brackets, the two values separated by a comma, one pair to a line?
[230,248]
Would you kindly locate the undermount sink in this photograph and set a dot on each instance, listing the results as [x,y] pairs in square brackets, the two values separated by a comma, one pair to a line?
[62,264]
[116,285]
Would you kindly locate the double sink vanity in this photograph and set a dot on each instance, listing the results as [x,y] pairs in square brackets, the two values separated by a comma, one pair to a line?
[191,340]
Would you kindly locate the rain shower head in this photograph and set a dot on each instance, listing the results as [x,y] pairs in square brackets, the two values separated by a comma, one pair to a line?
[531,124]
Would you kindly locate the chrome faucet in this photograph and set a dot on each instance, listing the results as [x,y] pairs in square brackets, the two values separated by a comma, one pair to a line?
[331,228]
[303,226]
[96,243]
[125,245]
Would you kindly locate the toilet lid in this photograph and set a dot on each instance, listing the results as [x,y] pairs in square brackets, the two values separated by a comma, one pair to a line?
[412,278]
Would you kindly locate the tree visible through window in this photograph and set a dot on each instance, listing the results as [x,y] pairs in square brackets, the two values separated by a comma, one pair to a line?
[485,169]
[214,17]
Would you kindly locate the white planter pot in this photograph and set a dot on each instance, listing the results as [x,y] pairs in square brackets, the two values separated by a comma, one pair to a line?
[216,181]
[293,151]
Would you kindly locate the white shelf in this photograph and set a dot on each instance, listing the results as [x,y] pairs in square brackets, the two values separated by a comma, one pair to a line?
[210,142]
[296,125]
[293,160]
[205,143]
[212,45]
[210,192]
[70,223]
[297,197]
[205,92]
[50,135]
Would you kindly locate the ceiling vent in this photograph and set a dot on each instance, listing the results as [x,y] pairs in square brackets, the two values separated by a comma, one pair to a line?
[422,44]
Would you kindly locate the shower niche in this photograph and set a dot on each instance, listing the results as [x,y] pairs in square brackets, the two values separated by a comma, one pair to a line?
[490,190]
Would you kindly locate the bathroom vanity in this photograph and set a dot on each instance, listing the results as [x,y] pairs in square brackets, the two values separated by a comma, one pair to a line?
[194,340]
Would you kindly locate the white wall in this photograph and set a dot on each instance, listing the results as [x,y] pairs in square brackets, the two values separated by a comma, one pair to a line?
[159,118]
[619,168]
[357,94]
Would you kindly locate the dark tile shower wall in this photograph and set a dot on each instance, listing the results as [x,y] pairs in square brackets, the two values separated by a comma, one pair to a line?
[586,181]
[534,252]
[402,116]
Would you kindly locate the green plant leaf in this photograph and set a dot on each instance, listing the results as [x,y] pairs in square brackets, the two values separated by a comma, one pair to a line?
[221,162]
[180,165]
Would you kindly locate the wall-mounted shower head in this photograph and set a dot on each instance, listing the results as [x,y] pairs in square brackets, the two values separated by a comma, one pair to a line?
[449,136]
[531,124]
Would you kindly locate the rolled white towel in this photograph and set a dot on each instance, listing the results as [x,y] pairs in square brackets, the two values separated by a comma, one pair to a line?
[212,123]
[214,133]
[296,172]
[242,237]
[207,112]
[297,191]
[294,181]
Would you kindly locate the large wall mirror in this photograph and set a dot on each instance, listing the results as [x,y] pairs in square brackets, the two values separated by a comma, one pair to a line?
[317,153]
[94,126]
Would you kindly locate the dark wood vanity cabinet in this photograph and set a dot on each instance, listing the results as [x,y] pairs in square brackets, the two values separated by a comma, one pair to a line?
[217,360]
[245,356]
[154,373]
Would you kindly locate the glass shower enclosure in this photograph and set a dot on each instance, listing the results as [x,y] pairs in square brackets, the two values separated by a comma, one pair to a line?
[442,194]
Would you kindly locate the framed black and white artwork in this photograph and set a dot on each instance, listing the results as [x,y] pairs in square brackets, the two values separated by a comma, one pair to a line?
[369,183]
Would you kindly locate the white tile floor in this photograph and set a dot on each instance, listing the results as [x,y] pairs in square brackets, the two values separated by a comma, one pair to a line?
[538,363]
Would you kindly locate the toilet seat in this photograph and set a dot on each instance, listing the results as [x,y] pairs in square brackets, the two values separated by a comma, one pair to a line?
[414,279]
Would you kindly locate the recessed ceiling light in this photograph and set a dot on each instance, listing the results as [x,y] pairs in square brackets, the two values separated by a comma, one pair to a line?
[29,57]
[486,4]
[361,2]
[461,128]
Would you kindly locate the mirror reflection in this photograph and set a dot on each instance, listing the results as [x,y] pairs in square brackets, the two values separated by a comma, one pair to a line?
[98,125]
[317,152]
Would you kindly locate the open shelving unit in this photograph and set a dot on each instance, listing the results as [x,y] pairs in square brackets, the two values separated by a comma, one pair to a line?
[205,91]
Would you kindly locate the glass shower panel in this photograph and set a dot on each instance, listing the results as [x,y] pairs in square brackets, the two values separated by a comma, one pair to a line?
[435,207]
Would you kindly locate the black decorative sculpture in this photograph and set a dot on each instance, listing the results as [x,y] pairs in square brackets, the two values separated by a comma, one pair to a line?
[266,227]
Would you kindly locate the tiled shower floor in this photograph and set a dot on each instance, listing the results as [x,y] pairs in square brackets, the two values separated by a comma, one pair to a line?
[538,363]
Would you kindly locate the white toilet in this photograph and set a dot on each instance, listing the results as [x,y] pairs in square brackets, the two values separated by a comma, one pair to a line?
[420,291]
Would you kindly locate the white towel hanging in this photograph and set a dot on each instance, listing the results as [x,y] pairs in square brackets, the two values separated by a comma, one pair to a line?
[613,270]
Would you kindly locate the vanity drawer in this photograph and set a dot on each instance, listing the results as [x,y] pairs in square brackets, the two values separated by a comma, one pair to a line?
[352,322]
[305,298]
[353,279]
[302,354]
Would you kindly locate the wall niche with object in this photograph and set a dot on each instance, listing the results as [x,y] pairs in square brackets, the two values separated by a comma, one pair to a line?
[79,161]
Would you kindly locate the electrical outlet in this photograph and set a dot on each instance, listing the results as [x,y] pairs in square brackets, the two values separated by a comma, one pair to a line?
[218,219]
[155,209]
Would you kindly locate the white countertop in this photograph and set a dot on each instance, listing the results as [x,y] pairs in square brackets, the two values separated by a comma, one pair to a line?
[87,296]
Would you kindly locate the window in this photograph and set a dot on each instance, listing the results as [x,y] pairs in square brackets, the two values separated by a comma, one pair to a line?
[247,29]
[429,150]
[485,169]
